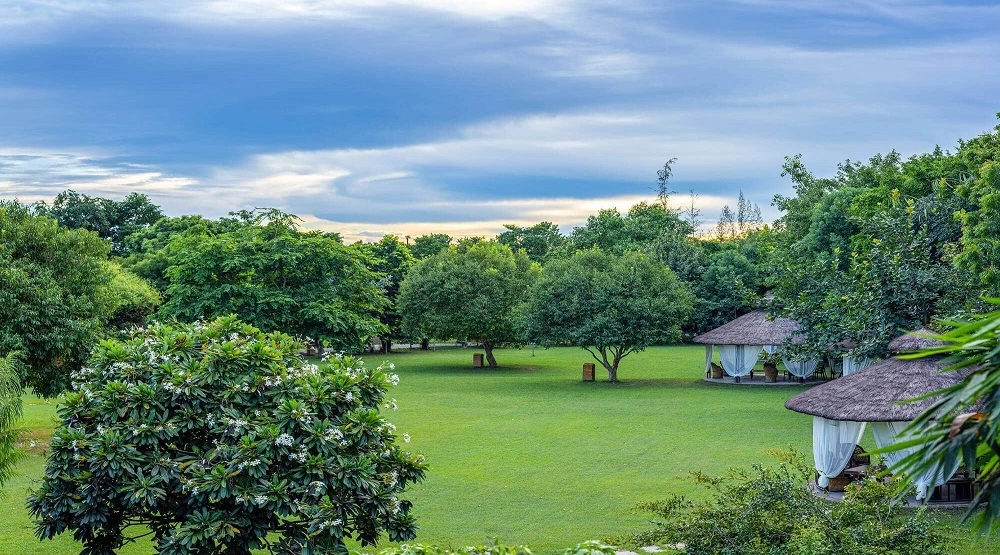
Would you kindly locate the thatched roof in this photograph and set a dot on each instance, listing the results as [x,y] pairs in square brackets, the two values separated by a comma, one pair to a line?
[753,328]
[873,394]
[914,341]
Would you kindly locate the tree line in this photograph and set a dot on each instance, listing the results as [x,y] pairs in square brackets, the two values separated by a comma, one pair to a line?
[879,247]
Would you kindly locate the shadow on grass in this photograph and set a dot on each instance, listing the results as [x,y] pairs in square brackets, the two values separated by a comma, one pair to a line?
[468,370]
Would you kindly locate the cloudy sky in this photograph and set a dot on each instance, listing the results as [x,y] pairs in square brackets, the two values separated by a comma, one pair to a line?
[411,116]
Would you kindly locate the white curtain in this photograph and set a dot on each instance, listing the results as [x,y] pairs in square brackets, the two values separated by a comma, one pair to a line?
[886,434]
[738,360]
[833,445]
[771,349]
[708,358]
[801,369]
[852,365]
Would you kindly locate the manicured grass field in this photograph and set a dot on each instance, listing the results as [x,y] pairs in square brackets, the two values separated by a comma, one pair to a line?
[528,453]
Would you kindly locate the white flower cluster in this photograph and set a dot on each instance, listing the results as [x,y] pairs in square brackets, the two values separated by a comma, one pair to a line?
[121,367]
[237,424]
[285,439]
[300,456]
[303,371]
[333,434]
[316,488]
[329,523]
[391,404]
[393,379]
[252,463]
[170,387]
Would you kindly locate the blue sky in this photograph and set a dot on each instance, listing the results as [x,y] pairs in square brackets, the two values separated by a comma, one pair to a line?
[412,116]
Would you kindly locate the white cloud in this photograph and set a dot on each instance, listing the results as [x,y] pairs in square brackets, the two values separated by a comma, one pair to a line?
[228,12]
[340,9]
[31,175]
[567,213]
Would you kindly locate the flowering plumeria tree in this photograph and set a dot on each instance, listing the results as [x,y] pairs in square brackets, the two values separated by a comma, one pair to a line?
[217,438]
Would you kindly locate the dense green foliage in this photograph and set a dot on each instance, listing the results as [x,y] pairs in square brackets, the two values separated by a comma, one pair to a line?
[644,224]
[771,511]
[611,305]
[261,268]
[470,291]
[112,220]
[429,245]
[889,245]
[53,295]
[10,415]
[537,241]
[131,300]
[149,253]
[217,438]
[390,259]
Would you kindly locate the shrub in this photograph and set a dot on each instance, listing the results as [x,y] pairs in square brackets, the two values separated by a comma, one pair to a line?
[218,439]
[770,510]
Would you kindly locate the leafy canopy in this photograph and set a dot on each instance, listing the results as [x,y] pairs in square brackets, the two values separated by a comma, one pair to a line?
[611,305]
[429,245]
[260,267]
[390,259]
[470,291]
[217,438]
[112,220]
[54,299]
[537,241]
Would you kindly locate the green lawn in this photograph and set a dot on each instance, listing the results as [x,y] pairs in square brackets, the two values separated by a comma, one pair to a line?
[529,453]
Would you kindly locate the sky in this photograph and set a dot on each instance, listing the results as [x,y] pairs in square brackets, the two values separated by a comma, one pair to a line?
[458,116]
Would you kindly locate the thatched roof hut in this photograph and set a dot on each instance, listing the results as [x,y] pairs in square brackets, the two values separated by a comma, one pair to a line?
[878,393]
[753,328]
[914,341]
[878,397]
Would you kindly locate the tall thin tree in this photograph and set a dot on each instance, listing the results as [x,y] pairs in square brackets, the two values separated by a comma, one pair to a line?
[692,214]
[663,191]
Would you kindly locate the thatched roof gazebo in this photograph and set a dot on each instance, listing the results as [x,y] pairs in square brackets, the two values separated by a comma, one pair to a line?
[878,395]
[740,342]
[753,328]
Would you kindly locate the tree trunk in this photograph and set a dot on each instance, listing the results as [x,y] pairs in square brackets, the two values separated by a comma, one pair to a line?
[386,344]
[320,351]
[425,344]
[489,355]
[612,373]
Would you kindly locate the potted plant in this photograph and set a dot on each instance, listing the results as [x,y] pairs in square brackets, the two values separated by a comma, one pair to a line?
[770,366]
